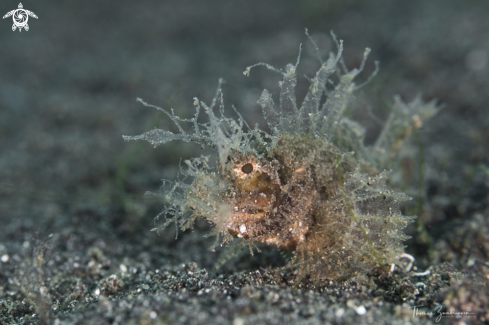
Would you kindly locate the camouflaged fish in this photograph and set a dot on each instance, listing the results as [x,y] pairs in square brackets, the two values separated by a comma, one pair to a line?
[308,186]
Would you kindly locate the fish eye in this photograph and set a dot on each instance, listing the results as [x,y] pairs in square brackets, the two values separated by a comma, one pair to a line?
[247,168]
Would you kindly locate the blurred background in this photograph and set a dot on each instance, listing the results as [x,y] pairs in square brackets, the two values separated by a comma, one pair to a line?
[68,90]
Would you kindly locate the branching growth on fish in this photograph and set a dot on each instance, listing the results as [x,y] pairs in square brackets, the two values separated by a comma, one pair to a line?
[309,186]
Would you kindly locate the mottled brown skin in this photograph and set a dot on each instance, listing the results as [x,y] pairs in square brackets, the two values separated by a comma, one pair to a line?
[310,186]
[277,201]
[299,196]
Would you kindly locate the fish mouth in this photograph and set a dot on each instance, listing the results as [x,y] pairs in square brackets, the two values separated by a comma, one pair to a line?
[248,217]
[277,221]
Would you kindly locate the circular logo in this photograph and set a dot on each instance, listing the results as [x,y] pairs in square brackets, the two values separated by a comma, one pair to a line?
[20,18]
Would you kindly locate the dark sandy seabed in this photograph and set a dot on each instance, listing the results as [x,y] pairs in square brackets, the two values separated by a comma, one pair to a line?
[75,240]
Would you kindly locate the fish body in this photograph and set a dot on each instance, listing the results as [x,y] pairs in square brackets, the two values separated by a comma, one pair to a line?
[308,186]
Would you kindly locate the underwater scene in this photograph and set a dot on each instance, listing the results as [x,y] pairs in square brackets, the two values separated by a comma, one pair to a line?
[244,162]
